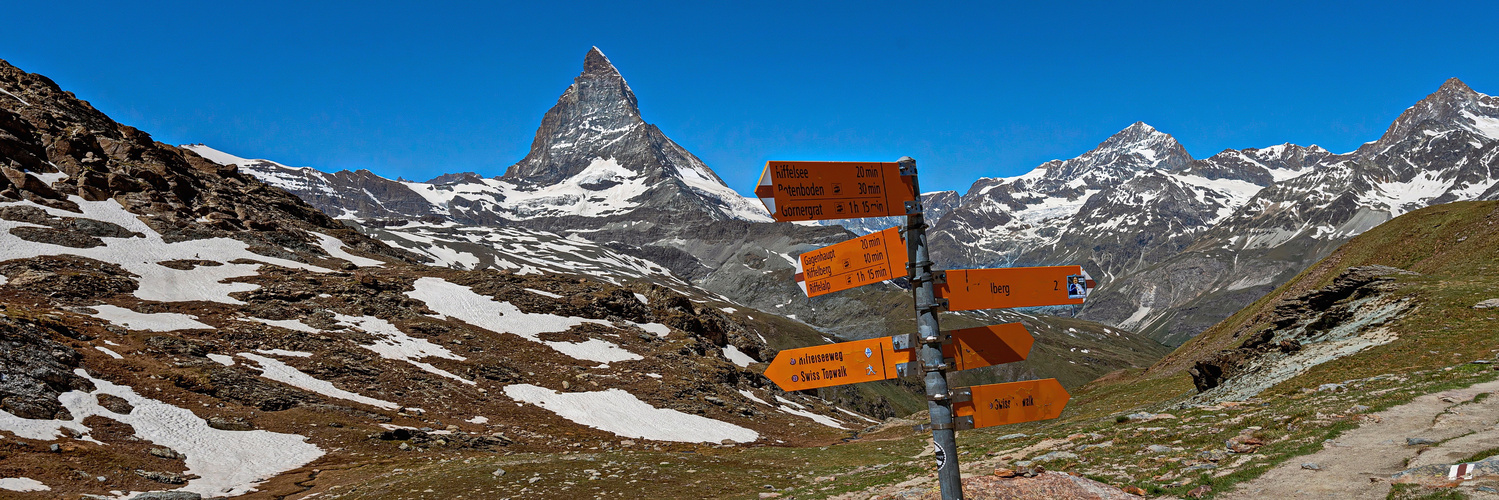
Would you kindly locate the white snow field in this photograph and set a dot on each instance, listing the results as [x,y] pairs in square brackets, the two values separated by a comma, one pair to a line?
[335,248]
[141,255]
[228,463]
[156,322]
[397,345]
[22,484]
[737,356]
[461,302]
[274,369]
[621,413]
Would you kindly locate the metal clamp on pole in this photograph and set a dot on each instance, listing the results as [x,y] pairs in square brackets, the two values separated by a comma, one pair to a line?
[960,395]
[934,305]
[945,365]
[913,207]
[939,277]
[902,342]
[903,369]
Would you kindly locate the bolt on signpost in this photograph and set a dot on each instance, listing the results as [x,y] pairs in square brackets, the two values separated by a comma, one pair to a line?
[796,191]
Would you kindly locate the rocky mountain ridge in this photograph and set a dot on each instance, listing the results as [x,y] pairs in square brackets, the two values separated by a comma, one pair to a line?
[1443,149]
[169,322]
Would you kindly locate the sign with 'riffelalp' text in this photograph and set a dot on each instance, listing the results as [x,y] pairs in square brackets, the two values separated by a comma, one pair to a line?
[971,289]
[1013,403]
[868,259]
[824,190]
[836,364]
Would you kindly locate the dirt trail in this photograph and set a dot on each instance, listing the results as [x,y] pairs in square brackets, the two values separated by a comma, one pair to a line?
[1378,449]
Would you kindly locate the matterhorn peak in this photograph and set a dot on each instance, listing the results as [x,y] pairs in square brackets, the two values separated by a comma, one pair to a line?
[597,64]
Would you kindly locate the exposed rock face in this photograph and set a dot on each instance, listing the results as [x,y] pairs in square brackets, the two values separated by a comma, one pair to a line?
[36,369]
[1339,319]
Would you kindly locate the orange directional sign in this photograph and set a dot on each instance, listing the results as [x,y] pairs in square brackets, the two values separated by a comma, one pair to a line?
[969,289]
[821,190]
[835,364]
[987,345]
[1013,403]
[869,259]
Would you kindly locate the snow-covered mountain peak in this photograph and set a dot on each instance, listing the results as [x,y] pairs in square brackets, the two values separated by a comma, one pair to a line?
[1454,107]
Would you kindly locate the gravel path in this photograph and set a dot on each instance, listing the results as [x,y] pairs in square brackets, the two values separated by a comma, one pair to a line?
[1378,449]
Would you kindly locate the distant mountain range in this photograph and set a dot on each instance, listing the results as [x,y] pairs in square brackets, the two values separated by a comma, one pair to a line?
[1181,243]
[1178,243]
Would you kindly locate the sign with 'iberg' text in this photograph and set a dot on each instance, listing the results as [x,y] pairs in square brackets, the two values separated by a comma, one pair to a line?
[823,190]
[970,289]
[868,259]
[836,364]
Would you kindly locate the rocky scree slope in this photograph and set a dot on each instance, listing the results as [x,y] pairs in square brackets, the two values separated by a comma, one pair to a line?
[171,323]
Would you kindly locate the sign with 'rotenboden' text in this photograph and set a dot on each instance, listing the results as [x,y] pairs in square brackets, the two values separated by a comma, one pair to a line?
[825,190]
[861,261]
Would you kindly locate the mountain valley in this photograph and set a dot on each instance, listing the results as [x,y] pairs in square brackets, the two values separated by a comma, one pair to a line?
[596,321]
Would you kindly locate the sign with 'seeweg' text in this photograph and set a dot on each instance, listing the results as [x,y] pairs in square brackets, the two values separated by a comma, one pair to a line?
[836,364]
[826,190]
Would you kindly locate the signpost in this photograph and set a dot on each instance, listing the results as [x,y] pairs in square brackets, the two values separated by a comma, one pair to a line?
[882,358]
[800,191]
[983,346]
[853,263]
[836,364]
[970,289]
[820,190]
[1012,403]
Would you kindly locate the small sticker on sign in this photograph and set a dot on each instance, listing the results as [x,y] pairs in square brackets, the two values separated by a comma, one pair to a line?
[1077,286]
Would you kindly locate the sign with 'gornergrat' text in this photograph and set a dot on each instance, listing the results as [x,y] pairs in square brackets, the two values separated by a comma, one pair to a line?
[828,190]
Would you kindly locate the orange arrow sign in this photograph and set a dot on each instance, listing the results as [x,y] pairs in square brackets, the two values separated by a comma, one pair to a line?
[835,364]
[1013,403]
[869,259]
[821,190]
[987,345]
[969,289]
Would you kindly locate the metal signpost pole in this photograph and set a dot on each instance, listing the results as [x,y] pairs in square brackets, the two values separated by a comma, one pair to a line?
[929,359]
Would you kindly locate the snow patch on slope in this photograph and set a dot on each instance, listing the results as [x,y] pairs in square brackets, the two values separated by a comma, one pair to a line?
[228,463]
[621,413]
[461,302]
[156,322]
[276,370]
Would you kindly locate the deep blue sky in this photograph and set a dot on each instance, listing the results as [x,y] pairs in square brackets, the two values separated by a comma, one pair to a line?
[969,90]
